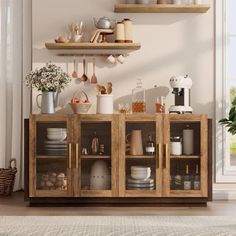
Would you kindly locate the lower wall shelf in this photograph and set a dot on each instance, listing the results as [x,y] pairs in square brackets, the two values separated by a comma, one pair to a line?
[64,49]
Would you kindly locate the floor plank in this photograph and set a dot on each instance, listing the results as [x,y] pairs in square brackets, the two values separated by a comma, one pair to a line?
[15,205]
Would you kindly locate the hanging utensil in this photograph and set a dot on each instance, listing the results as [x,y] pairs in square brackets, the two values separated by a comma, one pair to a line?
[84,77]
[75,74]
[94,78]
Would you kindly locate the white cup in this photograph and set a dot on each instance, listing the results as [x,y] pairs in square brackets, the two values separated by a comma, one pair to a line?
[111,59]
[121,59]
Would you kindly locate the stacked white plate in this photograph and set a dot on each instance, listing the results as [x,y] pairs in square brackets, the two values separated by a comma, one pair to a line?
[56,143]
[140,178]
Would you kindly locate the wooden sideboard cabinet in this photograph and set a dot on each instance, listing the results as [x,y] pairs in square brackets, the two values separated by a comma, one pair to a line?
[64,171]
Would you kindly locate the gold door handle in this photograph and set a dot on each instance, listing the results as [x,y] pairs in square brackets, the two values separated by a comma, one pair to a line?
[159,155]
[77,156]
[166,149]
[69,154]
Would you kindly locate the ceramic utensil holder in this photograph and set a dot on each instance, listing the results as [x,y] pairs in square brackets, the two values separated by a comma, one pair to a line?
[104,104]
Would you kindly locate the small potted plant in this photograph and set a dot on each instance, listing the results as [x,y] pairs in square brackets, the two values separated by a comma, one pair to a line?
[230,122]
[50,80]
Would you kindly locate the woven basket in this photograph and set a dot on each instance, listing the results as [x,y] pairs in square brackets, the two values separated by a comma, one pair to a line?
[7,178]
[80,108]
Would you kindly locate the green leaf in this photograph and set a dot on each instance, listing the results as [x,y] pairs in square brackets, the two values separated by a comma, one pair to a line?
[223,120]
[234,102]
[232,114]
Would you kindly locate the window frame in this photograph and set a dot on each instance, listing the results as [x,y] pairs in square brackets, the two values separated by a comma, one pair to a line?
[224,172]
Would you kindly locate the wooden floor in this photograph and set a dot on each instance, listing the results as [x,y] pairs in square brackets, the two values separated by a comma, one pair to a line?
[15,205]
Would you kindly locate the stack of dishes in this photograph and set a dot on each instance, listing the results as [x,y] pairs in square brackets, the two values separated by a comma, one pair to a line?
[56,143]
[140,178]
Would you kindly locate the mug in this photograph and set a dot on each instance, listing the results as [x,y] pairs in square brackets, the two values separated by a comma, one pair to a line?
[111,59]
[121,59]
[136,143]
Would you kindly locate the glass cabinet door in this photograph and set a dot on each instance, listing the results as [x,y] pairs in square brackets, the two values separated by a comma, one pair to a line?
[185,158]
[97,156]
[51,154]
[140,156]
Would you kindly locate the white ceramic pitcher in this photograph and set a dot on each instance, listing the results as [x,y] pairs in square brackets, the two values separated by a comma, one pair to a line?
[49,102]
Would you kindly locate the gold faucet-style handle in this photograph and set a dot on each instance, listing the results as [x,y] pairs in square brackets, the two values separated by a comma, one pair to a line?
[69,154]
[77,156]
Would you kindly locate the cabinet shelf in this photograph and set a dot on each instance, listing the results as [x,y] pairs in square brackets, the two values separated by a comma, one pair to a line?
[185,157]
[51,157]
[161,8]
[64,49]
[94,157]
[139,157]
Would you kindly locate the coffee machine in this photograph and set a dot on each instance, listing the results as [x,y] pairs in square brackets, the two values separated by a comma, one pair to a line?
[181,89]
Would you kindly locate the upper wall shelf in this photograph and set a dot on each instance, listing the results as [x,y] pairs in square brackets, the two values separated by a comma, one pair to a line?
[161,8]
[92,48]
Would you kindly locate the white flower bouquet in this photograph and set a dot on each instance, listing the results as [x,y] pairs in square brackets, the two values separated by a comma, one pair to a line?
[49,78]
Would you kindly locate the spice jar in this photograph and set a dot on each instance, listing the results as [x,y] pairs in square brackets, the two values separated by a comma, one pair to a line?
[138,98]
[176,146]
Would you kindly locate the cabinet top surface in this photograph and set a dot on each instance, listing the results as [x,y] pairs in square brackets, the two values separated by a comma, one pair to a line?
[126,116]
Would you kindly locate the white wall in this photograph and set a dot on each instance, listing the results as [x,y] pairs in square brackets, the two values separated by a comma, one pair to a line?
[172,44]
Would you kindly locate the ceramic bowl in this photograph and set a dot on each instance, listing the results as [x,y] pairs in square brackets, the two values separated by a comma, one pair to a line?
[56,129]
[57,137]
[141,176]
[140,168]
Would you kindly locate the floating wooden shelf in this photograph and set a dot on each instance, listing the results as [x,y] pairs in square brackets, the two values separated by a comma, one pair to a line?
[161,8]
[94,157]
[92,48]
[139,157]
[185,157]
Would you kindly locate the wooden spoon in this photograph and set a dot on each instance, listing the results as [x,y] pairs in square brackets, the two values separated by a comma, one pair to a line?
[94,78]
[84,77]
[75,74]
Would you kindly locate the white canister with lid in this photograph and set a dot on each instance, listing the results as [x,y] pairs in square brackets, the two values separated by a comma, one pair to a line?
[188,141]
[128,28]
[120,32]
[104,104]
[176,146]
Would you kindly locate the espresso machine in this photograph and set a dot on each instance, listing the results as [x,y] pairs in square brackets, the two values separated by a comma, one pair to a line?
[181,89]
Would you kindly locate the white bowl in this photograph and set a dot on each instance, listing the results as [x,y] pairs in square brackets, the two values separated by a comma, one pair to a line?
[141,176]
[56,129]
[140,168]
[56,137]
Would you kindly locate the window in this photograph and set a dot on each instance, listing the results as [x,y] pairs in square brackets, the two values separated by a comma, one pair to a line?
[225,88]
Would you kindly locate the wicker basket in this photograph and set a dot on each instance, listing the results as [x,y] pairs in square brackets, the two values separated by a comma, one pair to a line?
[81,108]
[7,178]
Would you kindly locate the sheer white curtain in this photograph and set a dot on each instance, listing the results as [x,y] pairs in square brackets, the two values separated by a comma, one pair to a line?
[11,84]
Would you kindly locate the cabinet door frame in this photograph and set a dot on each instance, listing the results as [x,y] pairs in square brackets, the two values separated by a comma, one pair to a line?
[203,192]
[123,192]
[78,192]
[33,192]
